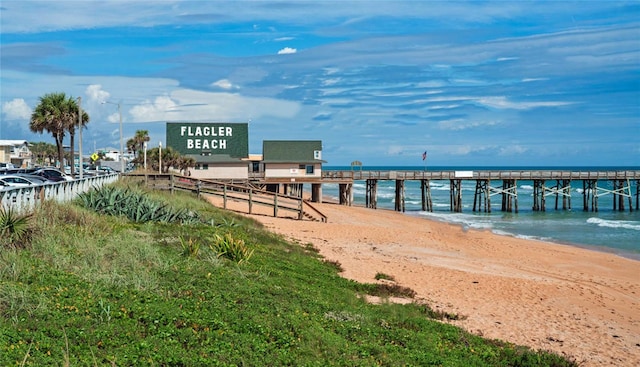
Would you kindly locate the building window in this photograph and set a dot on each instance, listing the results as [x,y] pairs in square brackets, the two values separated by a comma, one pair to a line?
[310,169]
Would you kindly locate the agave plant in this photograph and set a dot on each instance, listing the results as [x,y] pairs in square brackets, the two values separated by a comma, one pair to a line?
[134,205]
[15,228]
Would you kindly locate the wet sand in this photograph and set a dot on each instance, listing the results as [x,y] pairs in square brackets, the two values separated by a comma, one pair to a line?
[570,300]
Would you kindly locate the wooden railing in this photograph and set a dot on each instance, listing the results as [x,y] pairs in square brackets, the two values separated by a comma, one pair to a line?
[328,176]
[232,192]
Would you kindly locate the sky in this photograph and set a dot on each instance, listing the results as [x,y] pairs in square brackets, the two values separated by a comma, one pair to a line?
[478,83]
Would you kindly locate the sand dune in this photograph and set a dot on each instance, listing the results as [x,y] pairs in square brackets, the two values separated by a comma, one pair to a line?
[573,301]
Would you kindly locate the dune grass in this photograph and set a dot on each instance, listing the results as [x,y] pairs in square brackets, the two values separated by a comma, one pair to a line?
[95,289]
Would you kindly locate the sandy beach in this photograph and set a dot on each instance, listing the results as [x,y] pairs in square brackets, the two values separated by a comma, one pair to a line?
[573,301]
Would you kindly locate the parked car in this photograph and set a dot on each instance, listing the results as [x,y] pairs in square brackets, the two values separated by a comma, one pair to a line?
[32,177]
[6,166]
[53,174]
[18,181]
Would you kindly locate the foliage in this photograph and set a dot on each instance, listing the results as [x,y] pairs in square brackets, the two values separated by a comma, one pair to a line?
[231,248]
[383,276]
[100,290]
[135,205]
[57,114]
[15,228]
[170,158]
[190,246]
[44,153]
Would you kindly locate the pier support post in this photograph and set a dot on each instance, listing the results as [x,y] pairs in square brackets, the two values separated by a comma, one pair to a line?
[371,196]
[346,194]
[425,189]
[456,195]
[563,187]
[400,196]
[539,198]
[637,194]
[316,193]
[509,195]
[481,198]
[590,194]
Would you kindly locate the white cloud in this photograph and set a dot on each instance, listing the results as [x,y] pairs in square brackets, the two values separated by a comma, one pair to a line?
[287,50]
[96,94]
[158,110]
[502,102]
[16,109]
[192,105]
[460,124]
[512,150]
[223,83]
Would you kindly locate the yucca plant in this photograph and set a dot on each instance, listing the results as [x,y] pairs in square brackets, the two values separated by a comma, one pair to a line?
[231,248]
[15,228]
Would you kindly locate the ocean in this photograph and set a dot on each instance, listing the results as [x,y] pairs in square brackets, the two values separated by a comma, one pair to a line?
[605,230]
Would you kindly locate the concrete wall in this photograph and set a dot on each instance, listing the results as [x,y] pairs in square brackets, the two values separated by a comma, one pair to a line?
[236,172]
[291,170]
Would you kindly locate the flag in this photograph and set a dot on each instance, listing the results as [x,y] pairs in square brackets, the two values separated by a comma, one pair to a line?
[424,155]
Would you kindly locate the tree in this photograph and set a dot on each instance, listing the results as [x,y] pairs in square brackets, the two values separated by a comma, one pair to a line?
[57,114]
[42,150]
[170,158]
[141,137]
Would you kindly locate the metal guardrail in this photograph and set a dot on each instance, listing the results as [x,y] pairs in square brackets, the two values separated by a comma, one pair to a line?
[24,199]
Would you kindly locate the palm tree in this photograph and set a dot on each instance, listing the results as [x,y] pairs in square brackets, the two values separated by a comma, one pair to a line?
[57,114]
[42,150]
[141,137]
[73,123]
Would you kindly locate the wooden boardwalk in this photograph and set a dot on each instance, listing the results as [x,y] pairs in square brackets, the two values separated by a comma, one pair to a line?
[546,183]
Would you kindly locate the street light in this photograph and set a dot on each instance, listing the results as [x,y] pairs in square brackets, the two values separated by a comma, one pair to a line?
[121,138]
[80,140]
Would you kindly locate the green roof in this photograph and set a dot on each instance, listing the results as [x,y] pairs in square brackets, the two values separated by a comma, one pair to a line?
[291,151]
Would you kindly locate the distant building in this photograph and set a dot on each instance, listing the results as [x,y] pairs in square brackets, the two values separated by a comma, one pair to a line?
[16,152]
[292,160]
[221,150]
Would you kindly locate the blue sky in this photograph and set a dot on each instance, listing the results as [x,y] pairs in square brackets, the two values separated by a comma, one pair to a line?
[515,83]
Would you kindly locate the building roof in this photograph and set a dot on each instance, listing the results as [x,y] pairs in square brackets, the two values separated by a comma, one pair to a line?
[291,151]
[12,143]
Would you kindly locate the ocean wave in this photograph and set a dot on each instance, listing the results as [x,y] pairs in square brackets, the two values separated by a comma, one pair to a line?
[634,225]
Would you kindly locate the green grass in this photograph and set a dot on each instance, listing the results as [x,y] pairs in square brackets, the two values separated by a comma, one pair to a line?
[100,290]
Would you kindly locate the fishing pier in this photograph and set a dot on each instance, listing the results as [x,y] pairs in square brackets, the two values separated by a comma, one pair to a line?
[553,184]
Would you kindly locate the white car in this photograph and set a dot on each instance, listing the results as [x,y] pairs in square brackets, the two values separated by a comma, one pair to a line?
[6,166]
[18,181]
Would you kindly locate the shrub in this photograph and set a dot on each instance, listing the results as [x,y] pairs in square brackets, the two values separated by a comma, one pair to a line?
[15,228]
[231,248]
[134,205]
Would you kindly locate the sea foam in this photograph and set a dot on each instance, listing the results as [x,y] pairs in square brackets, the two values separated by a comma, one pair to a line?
[634,225]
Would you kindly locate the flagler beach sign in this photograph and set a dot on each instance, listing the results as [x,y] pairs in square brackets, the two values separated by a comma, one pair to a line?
[230,139]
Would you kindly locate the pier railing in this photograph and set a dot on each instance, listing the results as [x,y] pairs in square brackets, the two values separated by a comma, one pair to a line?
[329,175]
